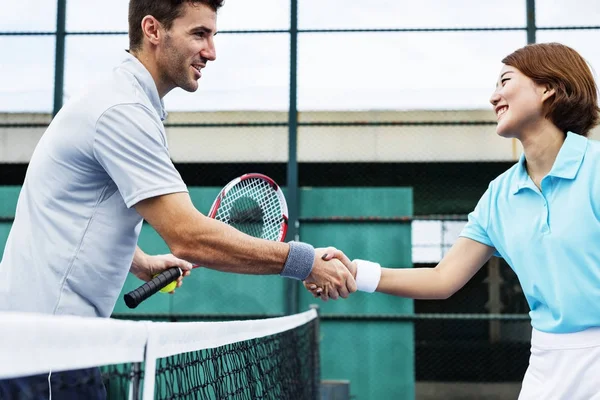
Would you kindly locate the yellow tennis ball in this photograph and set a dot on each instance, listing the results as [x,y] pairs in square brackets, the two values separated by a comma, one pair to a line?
[169,288]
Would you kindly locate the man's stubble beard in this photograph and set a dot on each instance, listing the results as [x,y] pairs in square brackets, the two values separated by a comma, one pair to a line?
[177,71]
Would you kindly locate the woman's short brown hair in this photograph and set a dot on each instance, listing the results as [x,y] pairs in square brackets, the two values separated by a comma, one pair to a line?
[574,106]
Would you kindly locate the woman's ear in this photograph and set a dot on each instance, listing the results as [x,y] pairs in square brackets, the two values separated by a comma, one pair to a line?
[548,92]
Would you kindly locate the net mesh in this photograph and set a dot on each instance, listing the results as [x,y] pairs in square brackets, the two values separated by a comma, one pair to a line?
[275,358]
[274,367]
[253,207]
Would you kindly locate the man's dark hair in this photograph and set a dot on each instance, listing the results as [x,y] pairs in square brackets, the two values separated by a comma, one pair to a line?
[165,11]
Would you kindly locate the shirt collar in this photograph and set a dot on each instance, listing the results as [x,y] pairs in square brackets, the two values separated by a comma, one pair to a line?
[132,65]
[570,157]
[567,163]
[522,179]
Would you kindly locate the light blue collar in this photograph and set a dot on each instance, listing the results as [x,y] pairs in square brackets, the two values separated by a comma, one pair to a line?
[567,163]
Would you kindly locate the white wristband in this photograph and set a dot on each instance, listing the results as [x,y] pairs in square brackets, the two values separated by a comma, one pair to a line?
[367,275]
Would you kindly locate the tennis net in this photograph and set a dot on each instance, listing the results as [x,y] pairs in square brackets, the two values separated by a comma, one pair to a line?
[275,358]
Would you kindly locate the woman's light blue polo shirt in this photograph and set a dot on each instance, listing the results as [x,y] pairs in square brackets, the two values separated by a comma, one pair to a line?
[549,237]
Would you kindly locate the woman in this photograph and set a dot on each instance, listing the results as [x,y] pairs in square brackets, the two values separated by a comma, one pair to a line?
[542,216]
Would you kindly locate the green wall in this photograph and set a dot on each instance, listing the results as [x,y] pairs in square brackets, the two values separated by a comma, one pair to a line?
[377,357]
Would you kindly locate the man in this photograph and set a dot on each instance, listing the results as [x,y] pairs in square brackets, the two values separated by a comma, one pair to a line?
[103,166]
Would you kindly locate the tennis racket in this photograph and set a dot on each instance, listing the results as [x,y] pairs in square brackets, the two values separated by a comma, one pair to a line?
[252,203]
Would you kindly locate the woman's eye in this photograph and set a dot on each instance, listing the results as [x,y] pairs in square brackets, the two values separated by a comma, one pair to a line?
[503,81]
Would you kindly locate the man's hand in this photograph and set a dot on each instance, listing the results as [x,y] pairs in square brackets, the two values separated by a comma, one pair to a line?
[145,266]
[331,253]
[330,276]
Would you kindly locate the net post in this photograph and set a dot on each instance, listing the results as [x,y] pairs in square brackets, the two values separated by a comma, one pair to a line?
[59,55]
[316,355]
[531,28]
[292,286]
[149,364]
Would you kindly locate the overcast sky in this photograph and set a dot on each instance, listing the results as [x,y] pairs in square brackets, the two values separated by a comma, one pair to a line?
[336,71]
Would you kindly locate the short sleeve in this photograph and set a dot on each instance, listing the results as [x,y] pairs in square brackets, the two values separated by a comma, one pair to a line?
[477,225]
[132,148]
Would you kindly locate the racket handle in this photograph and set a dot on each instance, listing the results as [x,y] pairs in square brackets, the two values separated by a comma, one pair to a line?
[135,297]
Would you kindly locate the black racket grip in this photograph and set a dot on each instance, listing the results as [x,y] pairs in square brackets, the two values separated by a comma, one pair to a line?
[135,297]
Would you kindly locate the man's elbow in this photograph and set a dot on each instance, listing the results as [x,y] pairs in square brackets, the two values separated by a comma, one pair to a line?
[180,251]
[182,246]
[182,239]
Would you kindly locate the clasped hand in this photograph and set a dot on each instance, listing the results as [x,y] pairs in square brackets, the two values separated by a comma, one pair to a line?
[332,276]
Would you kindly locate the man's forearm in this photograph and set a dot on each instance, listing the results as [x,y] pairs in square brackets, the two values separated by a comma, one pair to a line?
[139,258]
[219,246]
[204,241]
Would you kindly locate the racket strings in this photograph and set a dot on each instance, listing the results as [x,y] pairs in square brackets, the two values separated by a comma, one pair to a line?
[253,207]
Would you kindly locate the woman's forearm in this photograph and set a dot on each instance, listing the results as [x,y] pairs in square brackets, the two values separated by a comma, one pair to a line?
[415,283]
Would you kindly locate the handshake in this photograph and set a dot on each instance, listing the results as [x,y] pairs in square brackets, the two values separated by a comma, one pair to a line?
[334,275]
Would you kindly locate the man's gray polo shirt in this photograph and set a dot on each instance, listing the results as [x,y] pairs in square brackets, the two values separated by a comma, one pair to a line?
[75,231]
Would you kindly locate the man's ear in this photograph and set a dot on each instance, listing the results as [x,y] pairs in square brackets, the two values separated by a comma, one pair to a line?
[151,29]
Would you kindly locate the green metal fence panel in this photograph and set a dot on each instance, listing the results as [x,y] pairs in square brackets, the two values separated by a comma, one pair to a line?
[4,230]
[8,201]
[387,244]
[376,357]
[356,202]
[217,292]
